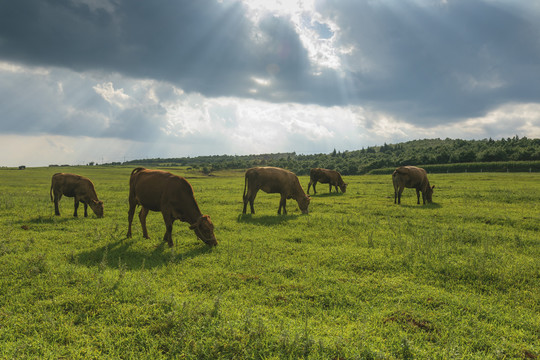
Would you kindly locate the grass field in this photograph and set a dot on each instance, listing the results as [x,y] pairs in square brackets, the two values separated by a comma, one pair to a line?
[357,278]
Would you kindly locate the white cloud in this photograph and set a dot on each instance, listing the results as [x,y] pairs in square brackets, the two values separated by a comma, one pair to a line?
[10,67]
[507,120]
[315,32]
[114,97]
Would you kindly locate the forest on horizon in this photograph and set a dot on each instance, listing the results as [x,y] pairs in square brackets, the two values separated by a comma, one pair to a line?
[436,155]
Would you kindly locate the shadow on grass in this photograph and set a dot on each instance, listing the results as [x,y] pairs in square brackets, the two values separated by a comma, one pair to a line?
[422,207]
[328,194]
[120,253]
[267,220]
[49,220]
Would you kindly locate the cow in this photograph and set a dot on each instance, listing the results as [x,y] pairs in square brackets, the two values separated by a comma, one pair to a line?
[412,177]
[325,176]
[274,180]
[78,187]
[172,195]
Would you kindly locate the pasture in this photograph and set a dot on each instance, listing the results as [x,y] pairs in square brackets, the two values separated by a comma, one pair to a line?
[357,278]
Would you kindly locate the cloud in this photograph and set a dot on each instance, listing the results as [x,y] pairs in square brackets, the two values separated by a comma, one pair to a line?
[114,97]
[438,62]
[231,76]
[422,58]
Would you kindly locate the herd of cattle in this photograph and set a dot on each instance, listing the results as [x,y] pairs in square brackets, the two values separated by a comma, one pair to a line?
[172,195]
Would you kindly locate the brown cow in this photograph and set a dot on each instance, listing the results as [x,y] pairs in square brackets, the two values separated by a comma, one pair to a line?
[274,180]
[412,177]
[78,187]
[158,190]
[325,176]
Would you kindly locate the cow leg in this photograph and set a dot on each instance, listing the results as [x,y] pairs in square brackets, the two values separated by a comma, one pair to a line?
[251,201]
[423,199]
[131,212]
[85,209]
[57,198]
[418,196]
[308,186]
[251,198]
[142,218]
[400,190]
[282,203]
[246,199]
[76,204]
[314,190]
[167,217]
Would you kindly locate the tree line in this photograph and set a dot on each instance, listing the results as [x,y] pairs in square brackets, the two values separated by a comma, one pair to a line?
[503,155]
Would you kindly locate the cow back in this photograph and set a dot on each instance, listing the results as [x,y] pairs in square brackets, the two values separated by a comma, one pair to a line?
[72,184]
[326,176]
[272,179]
[410,177]
[155,189]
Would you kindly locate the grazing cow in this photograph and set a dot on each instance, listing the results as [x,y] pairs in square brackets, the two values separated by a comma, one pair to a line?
[274,180]
[412,177]
[172,195]
[78,187]
[325,176]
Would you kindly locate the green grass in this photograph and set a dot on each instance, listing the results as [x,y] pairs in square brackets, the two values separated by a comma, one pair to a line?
[357,278]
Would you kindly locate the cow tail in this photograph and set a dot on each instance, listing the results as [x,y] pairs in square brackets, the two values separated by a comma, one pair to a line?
[245,186]
[136,170]
[395,181]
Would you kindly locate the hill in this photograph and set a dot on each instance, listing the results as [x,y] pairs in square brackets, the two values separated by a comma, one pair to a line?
[502,154]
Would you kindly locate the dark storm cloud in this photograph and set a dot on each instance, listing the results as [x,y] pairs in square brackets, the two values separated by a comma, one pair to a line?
[198,44]
[422,61]
[429,60]
[201,46]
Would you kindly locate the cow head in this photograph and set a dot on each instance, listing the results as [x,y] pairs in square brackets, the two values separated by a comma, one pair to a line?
[303,203]
[429,194]
[204,229]
[97,207]
[343,187]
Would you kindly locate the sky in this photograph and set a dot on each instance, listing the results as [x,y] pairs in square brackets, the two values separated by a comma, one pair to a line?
[113,80]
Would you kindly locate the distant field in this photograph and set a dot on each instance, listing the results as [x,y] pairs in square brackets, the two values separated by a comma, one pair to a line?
[357,278]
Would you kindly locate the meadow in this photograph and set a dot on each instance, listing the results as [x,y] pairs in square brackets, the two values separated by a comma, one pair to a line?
[357,278]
